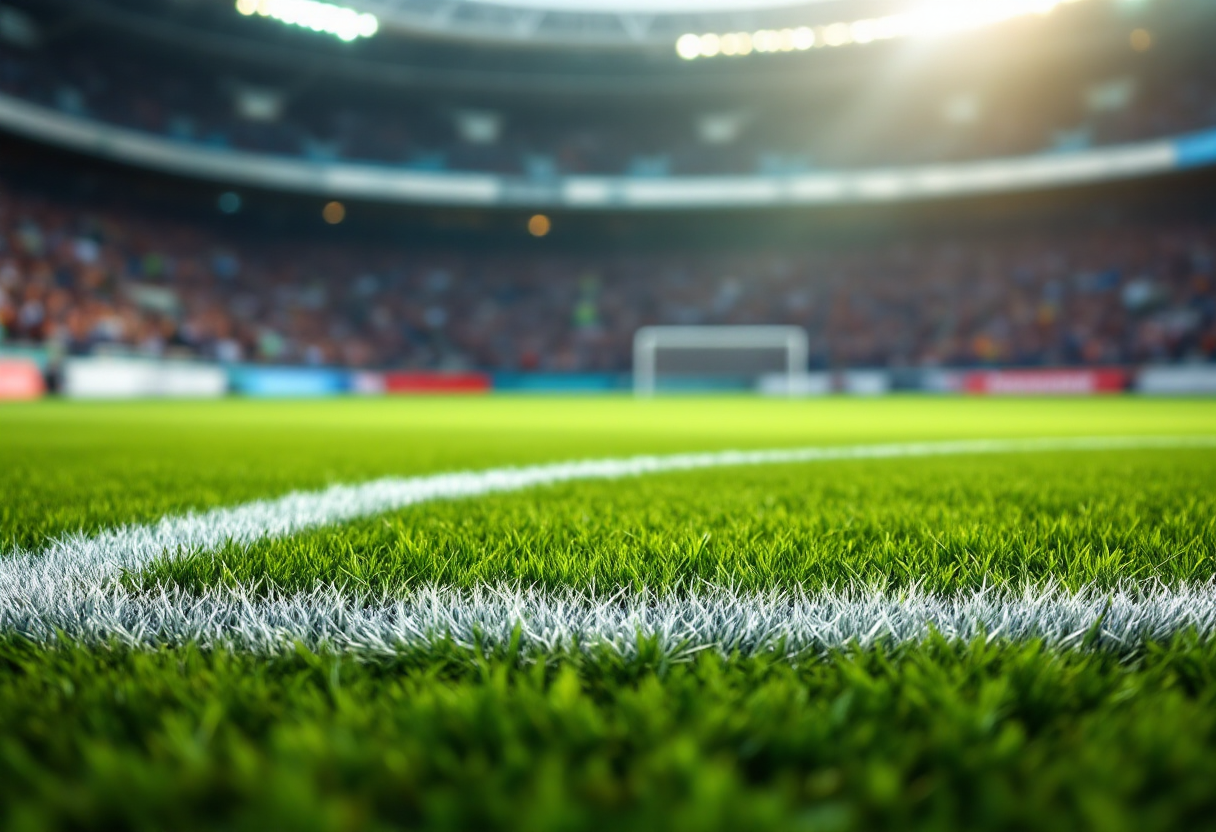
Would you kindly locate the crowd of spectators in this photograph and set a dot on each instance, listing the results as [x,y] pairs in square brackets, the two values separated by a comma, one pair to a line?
[84,281]
[905,122]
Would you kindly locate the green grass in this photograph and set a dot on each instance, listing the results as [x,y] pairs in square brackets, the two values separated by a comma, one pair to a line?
[938,735]
[1075,518]
[73,466]
[934,737]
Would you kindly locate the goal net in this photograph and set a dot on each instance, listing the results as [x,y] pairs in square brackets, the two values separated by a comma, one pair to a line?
[696,357]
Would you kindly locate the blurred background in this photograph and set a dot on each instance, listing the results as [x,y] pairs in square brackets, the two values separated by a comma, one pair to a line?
[289,197]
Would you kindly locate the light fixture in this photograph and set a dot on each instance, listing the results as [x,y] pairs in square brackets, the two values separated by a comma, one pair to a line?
[539,225]
[342,22]
[333,212]
[1141,40]
[941,18]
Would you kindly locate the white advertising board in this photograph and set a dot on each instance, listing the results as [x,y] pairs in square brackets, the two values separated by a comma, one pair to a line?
[1192,380]
[130,378]
[799,384]
[865,382]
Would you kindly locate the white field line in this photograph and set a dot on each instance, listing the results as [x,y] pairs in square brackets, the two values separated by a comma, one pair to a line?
[793,623]
[72,582]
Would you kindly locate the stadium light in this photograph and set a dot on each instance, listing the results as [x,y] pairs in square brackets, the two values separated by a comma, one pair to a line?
[342,22]
[333,212]
[937,19]
[539,225]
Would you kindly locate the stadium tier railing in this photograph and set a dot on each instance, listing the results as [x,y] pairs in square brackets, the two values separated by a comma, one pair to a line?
[348,180]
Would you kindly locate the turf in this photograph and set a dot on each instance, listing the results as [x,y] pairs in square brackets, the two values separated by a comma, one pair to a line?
[76,466]
[932,735]
[937,736]
[1068,518]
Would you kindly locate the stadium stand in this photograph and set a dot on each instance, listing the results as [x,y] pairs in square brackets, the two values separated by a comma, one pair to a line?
[93,281]
[87,276]
[160,96]
[554,415]
[928,116]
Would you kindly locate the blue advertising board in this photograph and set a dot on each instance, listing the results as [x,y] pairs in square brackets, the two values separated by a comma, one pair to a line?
[289,382]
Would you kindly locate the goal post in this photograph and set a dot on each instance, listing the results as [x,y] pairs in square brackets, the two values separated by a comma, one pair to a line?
[721,352]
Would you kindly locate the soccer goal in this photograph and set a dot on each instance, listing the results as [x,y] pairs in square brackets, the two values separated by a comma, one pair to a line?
[697,357]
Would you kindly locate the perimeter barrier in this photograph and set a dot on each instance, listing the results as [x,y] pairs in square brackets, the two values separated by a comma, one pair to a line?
[371,383]
[288,382]
[29,376]
[526,382]
[1178,380]
[1046,382]
[20,380]
[130,378]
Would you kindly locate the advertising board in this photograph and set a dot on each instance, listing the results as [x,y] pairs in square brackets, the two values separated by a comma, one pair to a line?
[20,380]
[403,383]
[1186,380]
[799,384]
[540,382]
[1047,382]
[289,382]
[128,378]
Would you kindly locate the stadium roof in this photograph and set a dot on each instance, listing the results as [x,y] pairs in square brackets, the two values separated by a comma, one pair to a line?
[604,23]
[652,6]
[746,25]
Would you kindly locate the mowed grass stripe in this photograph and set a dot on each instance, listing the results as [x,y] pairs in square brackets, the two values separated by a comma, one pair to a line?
[89,561]
[84,467]
[943,524]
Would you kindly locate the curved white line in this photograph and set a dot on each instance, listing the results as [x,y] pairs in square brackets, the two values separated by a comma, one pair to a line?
[76,564]
[494,618]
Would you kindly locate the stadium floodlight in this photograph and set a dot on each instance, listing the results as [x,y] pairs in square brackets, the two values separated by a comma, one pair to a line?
[941,18]
[342,22]
[716,352]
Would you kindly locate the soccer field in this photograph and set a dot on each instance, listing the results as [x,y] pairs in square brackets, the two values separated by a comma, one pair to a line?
[547,613]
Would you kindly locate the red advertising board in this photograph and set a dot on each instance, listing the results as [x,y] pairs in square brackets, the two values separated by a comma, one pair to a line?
[20,380]
[1045,382]
[406,383]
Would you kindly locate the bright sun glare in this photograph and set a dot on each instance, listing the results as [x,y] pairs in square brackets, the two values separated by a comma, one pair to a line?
[657,5]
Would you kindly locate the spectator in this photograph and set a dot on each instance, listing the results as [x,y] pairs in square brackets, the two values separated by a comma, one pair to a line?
[89,282]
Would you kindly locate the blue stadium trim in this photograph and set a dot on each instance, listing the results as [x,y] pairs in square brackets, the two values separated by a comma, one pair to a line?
[1197,149]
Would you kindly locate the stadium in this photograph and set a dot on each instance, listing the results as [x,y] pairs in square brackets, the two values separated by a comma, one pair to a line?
[647,414]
